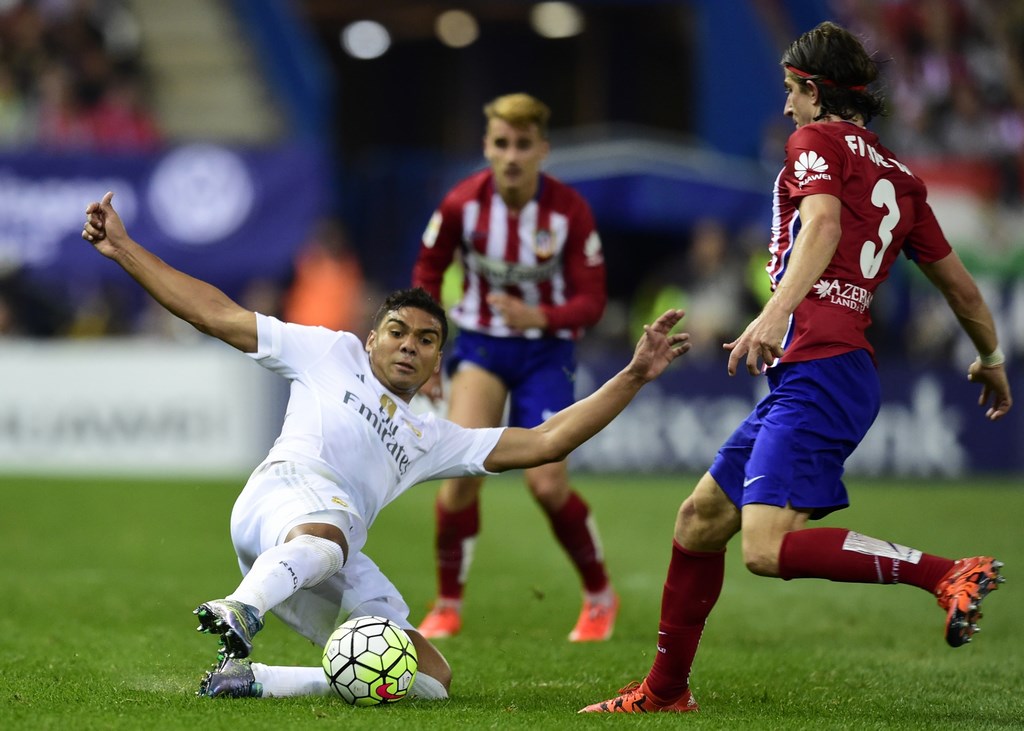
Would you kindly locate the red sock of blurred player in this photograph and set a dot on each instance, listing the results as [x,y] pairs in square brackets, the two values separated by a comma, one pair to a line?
[455,531]
[838,554]
[692,587]
[572,526]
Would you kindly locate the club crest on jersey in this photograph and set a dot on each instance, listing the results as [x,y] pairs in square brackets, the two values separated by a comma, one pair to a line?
[543,245]
[388,406]
[810,166]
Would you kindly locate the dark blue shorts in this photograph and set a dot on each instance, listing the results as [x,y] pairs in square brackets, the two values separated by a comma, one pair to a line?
[540,374]
[792,447]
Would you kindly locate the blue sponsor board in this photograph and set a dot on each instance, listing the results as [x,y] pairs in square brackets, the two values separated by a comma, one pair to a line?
[223,214]
[930,424]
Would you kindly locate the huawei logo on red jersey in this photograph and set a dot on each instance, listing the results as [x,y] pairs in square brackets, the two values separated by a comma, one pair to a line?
[810,166]
[809,162]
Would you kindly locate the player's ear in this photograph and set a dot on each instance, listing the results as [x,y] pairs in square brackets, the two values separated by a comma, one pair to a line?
[437,363]
[370,339]
[813,91]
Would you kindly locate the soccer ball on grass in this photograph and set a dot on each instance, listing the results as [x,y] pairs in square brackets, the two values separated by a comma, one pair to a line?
[369,661]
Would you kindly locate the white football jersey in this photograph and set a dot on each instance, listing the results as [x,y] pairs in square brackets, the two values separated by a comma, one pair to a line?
[342,421]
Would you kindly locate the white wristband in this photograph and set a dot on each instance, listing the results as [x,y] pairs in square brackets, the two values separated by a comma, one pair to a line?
[993,359]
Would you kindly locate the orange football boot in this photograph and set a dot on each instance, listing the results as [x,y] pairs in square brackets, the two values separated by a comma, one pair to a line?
[960,593]
[596,621]
[444,620]
[636,698]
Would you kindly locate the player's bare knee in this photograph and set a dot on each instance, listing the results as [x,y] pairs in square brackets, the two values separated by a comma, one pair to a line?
[760,564]
[693,530]
[459,493]
[549,492]
[706,522]
[761,557]
[687,515]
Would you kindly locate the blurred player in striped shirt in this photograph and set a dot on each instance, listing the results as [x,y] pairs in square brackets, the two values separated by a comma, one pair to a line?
[533,281]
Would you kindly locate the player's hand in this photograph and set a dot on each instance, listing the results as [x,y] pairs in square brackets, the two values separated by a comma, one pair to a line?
[656,348]
[517,314]
[761,343]
[103,227]
[995,388]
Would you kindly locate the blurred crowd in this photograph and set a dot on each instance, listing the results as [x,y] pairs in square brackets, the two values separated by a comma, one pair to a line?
[956,114]
[957,90]
[70,81]
[71,78]
[325,286]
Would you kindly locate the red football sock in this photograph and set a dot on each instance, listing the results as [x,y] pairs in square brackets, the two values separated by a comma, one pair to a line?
[454,529]
[691,589]
[838,554]
[574,531]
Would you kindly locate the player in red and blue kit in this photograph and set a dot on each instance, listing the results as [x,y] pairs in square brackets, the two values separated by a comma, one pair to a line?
[844,208]
[533,281]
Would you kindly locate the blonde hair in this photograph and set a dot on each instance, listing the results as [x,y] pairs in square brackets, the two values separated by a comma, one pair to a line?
[519,110]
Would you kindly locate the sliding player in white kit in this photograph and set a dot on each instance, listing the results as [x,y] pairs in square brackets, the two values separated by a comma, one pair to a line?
[349,446]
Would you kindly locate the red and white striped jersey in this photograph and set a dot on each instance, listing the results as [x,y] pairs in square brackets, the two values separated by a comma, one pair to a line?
[884,211]
[549,254]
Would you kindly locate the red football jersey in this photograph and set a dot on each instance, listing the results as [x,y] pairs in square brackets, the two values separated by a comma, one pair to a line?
[884,211]
[549,254]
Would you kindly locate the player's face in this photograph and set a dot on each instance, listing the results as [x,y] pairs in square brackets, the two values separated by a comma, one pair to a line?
[515,155]
[405,350]
[801,102]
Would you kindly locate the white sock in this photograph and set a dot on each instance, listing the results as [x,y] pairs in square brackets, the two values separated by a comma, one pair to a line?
[285,682]
[427,688]
[282,570]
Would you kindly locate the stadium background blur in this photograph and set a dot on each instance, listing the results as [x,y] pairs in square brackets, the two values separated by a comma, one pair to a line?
[280,147]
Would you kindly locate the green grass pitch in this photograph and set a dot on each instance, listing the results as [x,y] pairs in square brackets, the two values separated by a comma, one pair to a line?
[98,579]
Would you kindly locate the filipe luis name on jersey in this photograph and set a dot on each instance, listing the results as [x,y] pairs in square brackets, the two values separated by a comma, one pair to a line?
[861,148]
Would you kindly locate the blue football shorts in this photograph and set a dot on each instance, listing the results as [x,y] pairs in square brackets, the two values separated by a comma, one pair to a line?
[540,374]
[792,447]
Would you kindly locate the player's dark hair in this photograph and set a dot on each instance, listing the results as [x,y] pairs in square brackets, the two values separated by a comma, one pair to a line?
[835,60]
[416,297]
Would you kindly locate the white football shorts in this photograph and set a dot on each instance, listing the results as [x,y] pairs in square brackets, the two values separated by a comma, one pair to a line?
[281,495]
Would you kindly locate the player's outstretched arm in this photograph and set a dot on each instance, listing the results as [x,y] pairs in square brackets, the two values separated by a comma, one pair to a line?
[201,305]
[558,436]
[951,277]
